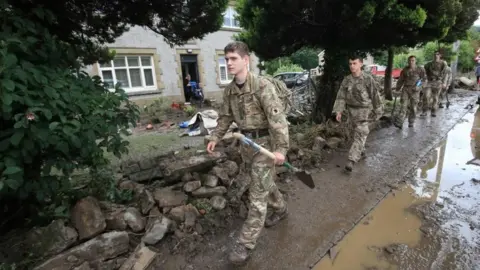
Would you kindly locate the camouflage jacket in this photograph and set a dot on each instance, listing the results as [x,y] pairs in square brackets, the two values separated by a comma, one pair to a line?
[409,77]
[359,92]
[436,71]
[253,109]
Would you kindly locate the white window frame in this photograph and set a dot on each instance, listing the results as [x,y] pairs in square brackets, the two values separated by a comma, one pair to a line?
[129,88]
[220,65]
[230,14]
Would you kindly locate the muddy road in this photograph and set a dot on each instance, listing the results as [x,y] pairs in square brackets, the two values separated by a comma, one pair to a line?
[320,218]
[430,222]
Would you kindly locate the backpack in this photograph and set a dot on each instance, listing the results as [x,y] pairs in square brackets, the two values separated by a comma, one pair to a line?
[284,94]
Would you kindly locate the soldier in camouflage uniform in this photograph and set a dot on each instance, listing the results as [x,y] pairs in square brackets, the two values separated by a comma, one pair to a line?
[410,93]
[447,82]
[359,94]
[435,71]
[259,114]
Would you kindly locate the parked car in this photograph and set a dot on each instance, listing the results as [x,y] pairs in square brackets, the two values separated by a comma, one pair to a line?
[291,78]
[380,70]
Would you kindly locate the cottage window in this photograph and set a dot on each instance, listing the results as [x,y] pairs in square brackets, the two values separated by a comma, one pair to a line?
[225,78]
[229,19]
[134,72]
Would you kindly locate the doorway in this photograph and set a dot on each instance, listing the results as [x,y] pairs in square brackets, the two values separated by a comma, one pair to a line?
[189,65]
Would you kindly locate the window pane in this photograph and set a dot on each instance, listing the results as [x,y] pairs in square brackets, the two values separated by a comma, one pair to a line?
[226,21]
[108,78]
[221,60]
[135,77]
[148,77]
[122,77]
[132,61]
[146,61]
[223,73]
[119,61]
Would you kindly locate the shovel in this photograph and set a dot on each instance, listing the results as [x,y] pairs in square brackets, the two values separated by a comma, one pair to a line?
[304,176]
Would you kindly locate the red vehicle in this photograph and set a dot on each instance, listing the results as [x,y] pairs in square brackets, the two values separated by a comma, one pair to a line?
[380,71]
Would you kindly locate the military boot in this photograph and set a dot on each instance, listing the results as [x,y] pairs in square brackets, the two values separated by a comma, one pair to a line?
[239,254]
[440,105]
[433,114]
[275,218]
[349,166]
[424,113]
[410,124]
[363,155]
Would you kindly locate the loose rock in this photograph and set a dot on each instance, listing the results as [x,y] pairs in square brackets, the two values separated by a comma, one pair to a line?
[101,248]
[155,233]
[146,201]
[50,240]
[167,197]
[141,259]
[231,167]
[134,219]
[192,186]
[319,143]
[187,177]
[333,142]
[211,180]
[178,213]
[205,192]
[114,215]
[221,173]
[218,202]
[88,218]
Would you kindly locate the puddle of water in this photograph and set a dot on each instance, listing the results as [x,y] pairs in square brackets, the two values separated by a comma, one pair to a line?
[444,178]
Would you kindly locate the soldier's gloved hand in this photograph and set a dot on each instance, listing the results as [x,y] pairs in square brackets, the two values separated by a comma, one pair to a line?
[279,158]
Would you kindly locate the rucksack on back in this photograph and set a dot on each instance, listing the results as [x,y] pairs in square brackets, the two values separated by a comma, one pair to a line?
[283,92]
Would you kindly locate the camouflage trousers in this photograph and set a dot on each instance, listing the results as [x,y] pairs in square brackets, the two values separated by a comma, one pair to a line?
[359,118]
[263,192]
[431,95]
[408,105]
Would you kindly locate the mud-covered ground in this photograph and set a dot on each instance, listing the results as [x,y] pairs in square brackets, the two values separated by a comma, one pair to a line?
[321,217]
[432,221]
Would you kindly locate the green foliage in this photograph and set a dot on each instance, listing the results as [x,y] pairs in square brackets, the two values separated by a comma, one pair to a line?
[307,58]
[158,110]
[90,24]
[53,115]
[445,49]
[466,56]
[289,68]
[272,66]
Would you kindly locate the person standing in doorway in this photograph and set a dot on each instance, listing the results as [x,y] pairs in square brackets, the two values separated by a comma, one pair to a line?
[253,104]
[359,94]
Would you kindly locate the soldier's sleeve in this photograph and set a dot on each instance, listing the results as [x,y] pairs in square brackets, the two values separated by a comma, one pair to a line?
[374,88]
[444,73]
[401,80]
[277,119]
[339,105]
[225,119]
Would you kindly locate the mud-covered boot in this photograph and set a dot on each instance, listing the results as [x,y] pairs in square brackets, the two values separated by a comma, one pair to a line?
[349,166]
[440,105]
[433,114]
[410,124]
[363,155]
[275,218]
[239,254]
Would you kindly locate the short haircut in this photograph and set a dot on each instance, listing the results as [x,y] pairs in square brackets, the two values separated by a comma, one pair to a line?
[237,46]
[411,56]
[437,51]
[356,57]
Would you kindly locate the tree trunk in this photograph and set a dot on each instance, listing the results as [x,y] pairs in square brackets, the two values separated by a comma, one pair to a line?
[388,75]
[334,69]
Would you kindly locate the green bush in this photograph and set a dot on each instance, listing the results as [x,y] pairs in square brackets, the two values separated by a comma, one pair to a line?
[289,68]
[54,117]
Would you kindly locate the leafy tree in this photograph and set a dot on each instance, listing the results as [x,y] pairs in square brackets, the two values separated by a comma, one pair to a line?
[279,28]
[307,58]
[273,65]
[54,117]
[88,24]
[466,56]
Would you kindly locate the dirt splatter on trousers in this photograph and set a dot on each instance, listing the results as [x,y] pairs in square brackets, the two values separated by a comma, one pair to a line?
[263,192]
[359,118]
[431,95]
[408,105]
